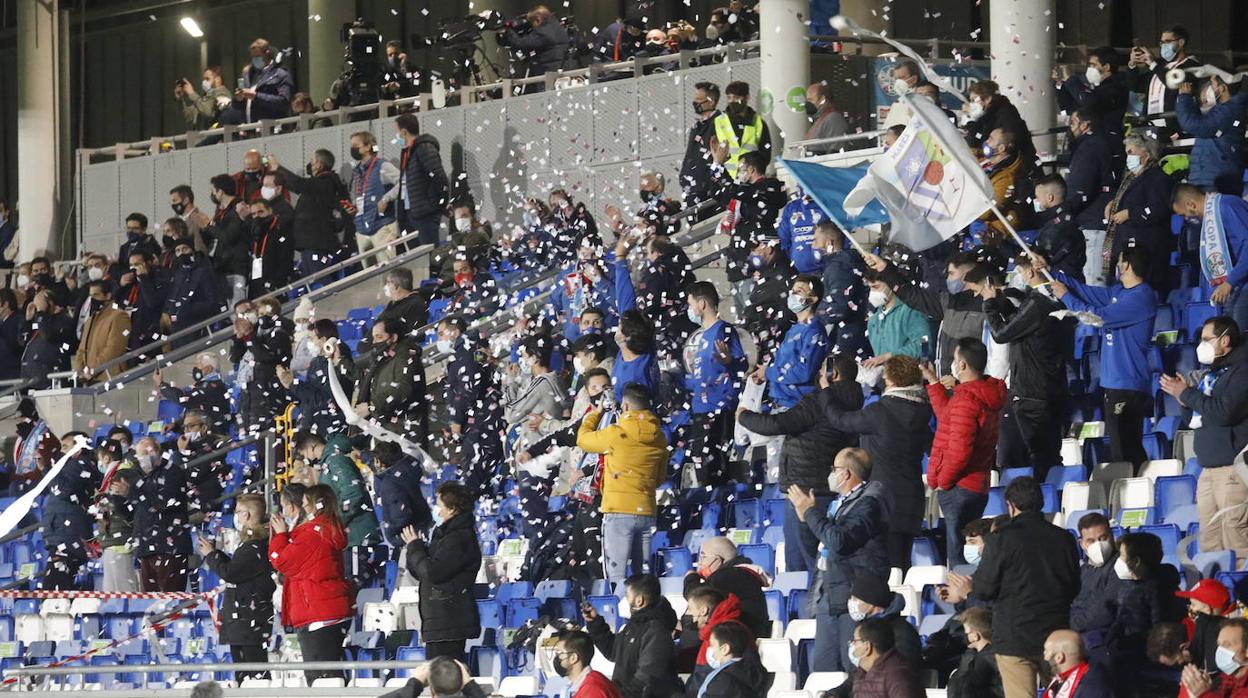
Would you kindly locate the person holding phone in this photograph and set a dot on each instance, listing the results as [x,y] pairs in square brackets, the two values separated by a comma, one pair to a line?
[200,109]
[247,608]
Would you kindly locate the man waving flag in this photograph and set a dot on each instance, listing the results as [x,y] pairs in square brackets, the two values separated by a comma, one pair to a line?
[928,181]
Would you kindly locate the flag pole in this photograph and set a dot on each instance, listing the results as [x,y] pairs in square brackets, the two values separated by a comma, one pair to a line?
[848,236]
[1017,238]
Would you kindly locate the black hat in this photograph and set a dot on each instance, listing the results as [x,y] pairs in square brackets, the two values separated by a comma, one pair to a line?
[872,590]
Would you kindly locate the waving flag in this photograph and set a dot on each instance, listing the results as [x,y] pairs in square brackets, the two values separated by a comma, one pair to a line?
[828,186]
[928,181]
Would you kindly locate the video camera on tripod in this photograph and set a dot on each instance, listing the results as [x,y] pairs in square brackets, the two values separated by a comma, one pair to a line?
[360,82]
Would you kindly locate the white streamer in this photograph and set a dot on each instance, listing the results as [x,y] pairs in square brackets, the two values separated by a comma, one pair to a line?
[374,429]
[12,516]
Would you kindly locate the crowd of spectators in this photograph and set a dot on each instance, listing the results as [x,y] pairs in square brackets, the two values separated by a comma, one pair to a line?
[865,385]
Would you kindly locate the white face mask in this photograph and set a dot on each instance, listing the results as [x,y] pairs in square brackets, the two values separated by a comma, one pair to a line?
[578,365]
[1093,75]
[444,345]
[206,85]
[1099,552]
[900,87]
[1206,353]
[95,273]
[388,292]
[877,299]
[1133,162]
[463,225]
[251,317]
[268,192]
[23,280]
[856,610]
[1038,204]
[1120,568]
[1017,281]
[975,109]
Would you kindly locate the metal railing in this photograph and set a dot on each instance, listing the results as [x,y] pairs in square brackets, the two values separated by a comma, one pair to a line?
[469,94]
[210,667]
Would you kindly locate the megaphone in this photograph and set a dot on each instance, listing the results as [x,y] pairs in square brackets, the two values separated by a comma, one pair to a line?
[1175,77]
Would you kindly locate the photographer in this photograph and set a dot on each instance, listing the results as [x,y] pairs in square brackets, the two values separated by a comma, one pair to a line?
[540,39]
[200,111]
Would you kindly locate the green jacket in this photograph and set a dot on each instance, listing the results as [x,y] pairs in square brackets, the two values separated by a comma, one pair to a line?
[899,331]
[201,112]
[395,388]
[344,478]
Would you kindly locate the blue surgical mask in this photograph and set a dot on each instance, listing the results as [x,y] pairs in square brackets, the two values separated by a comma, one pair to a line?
[438,520]
[713,660]
[796,303]
[258,62]
[955,285]
[1133,162]
[444,345]
[988,151]
[756,261]
[1169,51]
[971,554]
[398,140]
[694,317]
[1225,659]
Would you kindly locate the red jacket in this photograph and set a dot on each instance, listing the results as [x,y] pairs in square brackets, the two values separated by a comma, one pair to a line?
[314,588]
[728,609]
[1228,687]
[965,445]
[596,685]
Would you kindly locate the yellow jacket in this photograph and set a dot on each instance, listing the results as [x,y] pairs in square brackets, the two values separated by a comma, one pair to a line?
[636,460]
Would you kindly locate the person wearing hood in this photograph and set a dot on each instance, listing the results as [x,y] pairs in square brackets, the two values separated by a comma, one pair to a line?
[1030,571]
[636,462]
[642,650]
[1093,610]
[247,607]
[895,434]
[423,190]
[1220,405]
[736,671]
[965,444]
[871,598]
[720,567]
[316,595]
[851,533]
[445,563]
[809,437]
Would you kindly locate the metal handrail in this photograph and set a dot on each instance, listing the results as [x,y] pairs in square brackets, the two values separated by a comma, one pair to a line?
[191,348]
[423,102]
[213,667]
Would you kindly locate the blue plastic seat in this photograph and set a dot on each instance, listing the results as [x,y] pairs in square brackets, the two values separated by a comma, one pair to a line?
[1008,475]
[1156,445]
[1173,491]
[996,502]
[408,654]
[695,538]
[1237,582]
[513,590]
[608,607]
[923,553]
[1194,315]
[775,606]
[518,611]
[786,582]
[1183,516]
[798,608]
[491,612]
[773,511]
[1058,477]
[1169,535]
[773,535]
[485,661]
[1213,563]
[673,561]
[747,513]
[762,555]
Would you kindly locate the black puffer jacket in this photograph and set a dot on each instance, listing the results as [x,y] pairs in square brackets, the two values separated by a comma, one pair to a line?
[1038,342]
[642,650]
[742,578]
[810,440]
[446,568]
[894,431]
[314,212]
[247,610]
[426,182]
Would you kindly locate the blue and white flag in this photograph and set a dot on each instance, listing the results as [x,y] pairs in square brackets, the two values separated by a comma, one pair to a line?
[928,181]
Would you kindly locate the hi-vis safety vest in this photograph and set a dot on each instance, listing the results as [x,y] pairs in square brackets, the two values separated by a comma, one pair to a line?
[750,135]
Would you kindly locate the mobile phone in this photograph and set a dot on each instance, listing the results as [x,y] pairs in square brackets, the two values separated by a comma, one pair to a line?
[242,84]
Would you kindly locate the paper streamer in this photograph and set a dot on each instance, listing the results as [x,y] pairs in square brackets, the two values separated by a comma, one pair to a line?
[843,23]
[12,516]
[374,429]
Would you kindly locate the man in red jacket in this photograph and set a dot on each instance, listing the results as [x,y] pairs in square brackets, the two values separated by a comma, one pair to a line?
[965,444]
[573,653]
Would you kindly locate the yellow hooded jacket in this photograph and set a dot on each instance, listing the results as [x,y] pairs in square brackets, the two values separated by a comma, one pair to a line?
[635,463]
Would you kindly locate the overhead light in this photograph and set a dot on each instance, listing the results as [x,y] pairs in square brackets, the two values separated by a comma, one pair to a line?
[192,27]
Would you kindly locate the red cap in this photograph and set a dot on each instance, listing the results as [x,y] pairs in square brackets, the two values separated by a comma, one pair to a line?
[1210,592]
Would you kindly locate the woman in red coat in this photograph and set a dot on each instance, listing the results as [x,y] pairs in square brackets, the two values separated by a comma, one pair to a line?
[316,597]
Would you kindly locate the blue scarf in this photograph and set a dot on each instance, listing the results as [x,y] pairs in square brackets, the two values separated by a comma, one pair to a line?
[1215,255]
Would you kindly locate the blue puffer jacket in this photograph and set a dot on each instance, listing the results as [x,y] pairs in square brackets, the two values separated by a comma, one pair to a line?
[1219,135]
[852,540]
